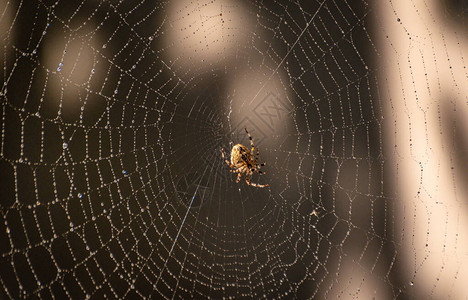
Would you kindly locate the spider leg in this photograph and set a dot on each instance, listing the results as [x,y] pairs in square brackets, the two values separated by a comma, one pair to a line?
[225,160]
[238,177]
[259,185]
[237,169]
[258,167]
[251,142]
[247,179]
[258,154]
[255,158]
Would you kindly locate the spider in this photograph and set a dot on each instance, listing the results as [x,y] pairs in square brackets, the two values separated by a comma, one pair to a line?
[243,161]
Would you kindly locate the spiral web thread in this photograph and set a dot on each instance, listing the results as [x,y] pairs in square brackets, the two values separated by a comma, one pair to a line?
[112,182]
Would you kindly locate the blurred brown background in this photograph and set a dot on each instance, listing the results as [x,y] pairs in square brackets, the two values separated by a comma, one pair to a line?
[114,113]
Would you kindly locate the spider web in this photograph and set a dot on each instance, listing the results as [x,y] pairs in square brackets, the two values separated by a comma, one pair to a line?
[113,118]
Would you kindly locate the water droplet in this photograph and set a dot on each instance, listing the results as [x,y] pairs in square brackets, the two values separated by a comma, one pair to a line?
[64,145]
[60,64]
[59,69]
[8,230]
[80,195]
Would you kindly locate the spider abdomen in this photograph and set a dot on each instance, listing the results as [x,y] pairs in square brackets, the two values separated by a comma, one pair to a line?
[240,155]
